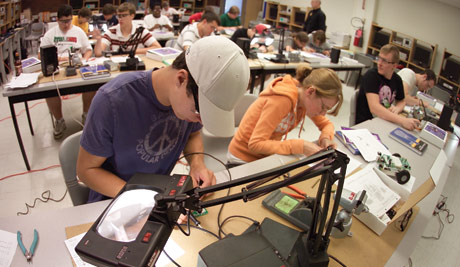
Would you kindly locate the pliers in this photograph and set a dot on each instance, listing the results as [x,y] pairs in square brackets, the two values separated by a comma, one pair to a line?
[300,194]
[28,254]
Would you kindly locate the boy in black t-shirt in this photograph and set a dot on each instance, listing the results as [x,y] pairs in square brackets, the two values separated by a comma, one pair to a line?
[382,93]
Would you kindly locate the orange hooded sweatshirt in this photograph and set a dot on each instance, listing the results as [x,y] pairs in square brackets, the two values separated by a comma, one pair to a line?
[269,118]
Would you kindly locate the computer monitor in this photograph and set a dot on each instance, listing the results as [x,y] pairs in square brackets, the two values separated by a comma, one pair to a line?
[299,17]
[451,70]
[273,13]
[380,39]
[422,56]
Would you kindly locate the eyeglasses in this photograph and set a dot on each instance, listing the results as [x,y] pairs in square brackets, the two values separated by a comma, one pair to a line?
[324,107]
[122,15]
[65,21]
[405,220]
[385,61]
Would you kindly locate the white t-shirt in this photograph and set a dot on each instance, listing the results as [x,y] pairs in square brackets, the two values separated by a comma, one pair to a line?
[408,76]
[188,36]
[113,38]
[150,21]
[75,37]
[169,13]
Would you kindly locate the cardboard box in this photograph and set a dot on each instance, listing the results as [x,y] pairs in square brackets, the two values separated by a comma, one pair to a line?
[408,200]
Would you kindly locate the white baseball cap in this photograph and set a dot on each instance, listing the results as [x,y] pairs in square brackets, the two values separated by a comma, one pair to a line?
[221,71]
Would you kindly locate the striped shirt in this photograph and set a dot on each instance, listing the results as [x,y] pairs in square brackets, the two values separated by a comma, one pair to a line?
[188,36]
[113,38]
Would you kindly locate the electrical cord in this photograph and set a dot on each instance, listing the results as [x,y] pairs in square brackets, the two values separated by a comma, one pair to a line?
[337,260]
[46,196]
[441,206]
[229,177]
[171,259]
[31,171]
[202,229]
[231,217]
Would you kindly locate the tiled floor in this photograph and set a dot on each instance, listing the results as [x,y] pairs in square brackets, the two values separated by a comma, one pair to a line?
[42,151]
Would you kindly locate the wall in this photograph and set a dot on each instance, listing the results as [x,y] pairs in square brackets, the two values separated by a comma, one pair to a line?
[40,6]
[431,21]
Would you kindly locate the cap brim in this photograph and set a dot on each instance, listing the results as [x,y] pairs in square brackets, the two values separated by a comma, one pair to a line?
[218,122]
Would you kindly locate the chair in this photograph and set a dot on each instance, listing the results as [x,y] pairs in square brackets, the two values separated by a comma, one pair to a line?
[242,106]
[353,101]
[171,43]
[68,154]
[36,32]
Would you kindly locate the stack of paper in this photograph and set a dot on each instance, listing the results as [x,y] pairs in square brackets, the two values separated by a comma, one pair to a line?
[24,80]
[366,143]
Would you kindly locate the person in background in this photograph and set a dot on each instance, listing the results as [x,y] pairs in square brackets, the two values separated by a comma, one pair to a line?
[316,19]
[118,35]
[81,20]
[297,41]
[65,37]
[282,107]
[142,121]
[317,43]
[231,19]
[382,93]
[195,31]
[197,16]
[243,33]
[156,21]
[109,15]
[168,11]
[414,82]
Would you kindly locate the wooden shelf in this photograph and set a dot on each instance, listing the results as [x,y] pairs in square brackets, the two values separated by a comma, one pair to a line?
[406,44]
[274,11]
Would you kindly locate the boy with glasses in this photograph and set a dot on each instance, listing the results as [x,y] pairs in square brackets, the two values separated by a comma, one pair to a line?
[118,35]
[382,93]
[142,121]
[66,37]
[414,82]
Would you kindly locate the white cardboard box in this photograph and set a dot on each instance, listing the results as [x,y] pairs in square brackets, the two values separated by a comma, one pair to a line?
[408,200]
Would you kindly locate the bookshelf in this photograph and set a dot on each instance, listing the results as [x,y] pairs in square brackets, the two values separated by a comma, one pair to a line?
[10,13]
[449,75]
[283,16]
[414,53]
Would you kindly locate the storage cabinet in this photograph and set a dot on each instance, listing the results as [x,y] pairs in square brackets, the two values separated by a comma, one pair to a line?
[10,13]
[449,74]
[283,16]
[413,53]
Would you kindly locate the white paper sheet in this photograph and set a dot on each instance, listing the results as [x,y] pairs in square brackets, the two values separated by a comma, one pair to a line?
[24,80]
[171,247]
[8,245]
[366,143]
[380,198]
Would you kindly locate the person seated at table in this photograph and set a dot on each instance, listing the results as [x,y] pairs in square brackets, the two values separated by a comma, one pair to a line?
[263,41]
[282,107]
[168,11]
[142,121]
[195,31]
[157,22]
[81,20]
[231,19]
[317,43]
[243,33]
[297,41]
[197,16]
[382,93]
[109,13]
[414,82]
[118,35]
[66,37]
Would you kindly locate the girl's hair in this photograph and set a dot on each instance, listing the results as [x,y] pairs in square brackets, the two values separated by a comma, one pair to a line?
[327,84]
[302,71]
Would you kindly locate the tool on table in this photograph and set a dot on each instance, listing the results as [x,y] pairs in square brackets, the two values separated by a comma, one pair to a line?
[300,194]
[351,203]
[28,254]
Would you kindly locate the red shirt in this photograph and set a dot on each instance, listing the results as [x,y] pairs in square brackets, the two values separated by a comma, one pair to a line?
[195,17]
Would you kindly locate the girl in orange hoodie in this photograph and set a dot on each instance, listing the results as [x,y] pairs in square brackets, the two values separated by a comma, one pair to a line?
[280,108]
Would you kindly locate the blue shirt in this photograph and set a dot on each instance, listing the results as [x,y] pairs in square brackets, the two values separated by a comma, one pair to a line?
[136,133]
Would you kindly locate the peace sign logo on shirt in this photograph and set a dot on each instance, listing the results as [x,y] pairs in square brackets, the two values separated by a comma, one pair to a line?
[158,143]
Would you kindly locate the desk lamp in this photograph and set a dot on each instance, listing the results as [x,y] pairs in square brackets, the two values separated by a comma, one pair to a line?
[138,239]
[132,63]
[70,70]
[280,57]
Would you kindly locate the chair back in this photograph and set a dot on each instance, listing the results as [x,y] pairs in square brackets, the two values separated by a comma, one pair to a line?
[37,29]
[171,42]
[353,101]
[242,106]
[6,54]
[68,154]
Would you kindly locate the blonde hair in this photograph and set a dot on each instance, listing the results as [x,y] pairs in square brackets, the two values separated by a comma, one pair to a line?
[127,6]
[327,84]
[302,71]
